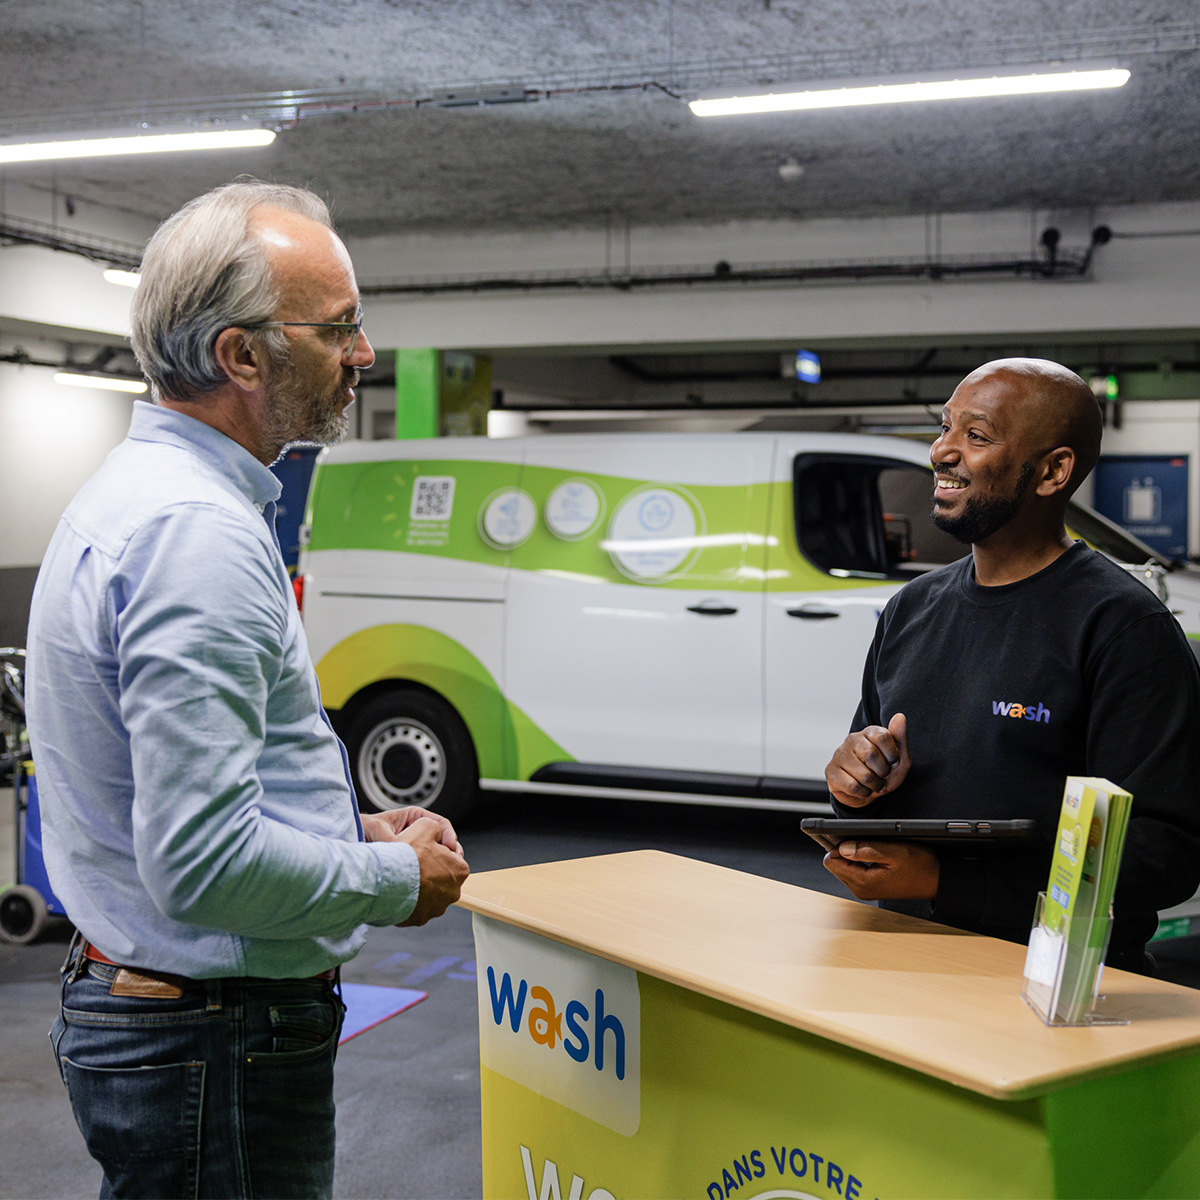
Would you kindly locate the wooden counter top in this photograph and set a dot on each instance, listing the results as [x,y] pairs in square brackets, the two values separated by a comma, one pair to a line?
[941,1001]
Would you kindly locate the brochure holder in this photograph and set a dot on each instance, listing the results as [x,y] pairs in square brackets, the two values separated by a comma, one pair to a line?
[1061,980]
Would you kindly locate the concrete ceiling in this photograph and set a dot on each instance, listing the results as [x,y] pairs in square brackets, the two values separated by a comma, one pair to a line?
[639,156]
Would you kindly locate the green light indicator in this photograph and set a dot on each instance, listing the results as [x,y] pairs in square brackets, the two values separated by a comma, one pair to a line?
[1110,387]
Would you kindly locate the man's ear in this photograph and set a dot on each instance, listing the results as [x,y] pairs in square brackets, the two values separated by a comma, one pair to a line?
[1057,468]
[241,359]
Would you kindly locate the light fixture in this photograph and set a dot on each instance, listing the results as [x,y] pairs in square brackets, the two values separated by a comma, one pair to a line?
[124,278]
[808,366]
[908,89]
[98,145]
[108,383]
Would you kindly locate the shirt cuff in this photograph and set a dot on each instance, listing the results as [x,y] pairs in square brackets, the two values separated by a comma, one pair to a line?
[398,883]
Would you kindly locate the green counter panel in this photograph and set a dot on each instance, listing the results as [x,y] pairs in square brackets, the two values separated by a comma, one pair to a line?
[736,1105]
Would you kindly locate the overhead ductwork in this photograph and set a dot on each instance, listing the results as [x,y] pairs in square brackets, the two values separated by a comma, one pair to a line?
[1073,264]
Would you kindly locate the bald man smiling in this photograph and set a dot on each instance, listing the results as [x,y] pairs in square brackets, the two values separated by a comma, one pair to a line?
[992,679]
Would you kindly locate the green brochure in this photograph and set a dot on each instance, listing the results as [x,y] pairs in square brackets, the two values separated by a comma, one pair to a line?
[1071,845]
[1079,895]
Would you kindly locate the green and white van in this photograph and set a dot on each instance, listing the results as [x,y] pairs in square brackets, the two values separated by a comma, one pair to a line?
[647,616]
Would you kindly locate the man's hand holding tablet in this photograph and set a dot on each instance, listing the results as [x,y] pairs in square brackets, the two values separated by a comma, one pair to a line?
[869,764]
[886,870]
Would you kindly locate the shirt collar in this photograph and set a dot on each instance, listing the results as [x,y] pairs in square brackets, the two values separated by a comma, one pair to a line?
[152,423]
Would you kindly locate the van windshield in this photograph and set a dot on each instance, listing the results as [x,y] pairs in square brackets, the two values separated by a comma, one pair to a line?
[1107,537]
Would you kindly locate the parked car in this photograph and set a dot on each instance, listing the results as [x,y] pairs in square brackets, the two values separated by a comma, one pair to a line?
[663,617]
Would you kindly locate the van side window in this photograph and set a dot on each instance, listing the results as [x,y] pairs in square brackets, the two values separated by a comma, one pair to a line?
[866,517]
[906,496]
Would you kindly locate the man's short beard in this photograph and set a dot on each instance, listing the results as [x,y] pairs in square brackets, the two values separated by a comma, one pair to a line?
[979,519]
[299,415]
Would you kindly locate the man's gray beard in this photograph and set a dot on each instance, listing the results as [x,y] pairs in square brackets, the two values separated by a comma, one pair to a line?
[981,518]
[297,415]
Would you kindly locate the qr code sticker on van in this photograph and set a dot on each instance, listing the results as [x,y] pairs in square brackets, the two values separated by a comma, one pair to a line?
[432,498]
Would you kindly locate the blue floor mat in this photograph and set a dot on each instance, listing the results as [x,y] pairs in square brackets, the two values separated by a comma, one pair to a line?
[368,1006]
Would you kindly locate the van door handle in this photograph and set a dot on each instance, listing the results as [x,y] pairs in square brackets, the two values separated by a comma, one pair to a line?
[813,614]
[712,610]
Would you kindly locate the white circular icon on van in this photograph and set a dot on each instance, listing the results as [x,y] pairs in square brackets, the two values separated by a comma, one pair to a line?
[573,509]
[508,518]
[653,533]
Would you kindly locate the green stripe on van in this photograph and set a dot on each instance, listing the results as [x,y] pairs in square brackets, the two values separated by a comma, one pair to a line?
[508,744]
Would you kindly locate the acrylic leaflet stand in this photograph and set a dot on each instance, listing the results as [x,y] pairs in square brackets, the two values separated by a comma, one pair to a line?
[1062,970]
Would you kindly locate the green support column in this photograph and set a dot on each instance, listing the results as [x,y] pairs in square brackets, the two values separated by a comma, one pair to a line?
[417,379]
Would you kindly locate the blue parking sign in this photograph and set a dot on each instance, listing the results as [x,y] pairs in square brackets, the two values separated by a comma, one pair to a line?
[1148,496]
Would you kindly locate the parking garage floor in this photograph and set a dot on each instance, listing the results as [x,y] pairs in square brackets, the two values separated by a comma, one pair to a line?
[408,1090]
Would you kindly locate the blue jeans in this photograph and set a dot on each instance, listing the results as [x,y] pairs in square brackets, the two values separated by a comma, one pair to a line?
[224,1092]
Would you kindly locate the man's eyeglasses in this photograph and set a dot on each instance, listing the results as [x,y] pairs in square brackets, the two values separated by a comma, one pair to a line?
[349,329]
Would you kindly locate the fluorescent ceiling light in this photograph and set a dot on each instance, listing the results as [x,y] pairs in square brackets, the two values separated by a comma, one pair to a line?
[96,146]
[124,278]
[963,85]
[107,383]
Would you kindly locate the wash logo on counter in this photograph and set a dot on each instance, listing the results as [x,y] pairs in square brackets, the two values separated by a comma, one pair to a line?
[545,1022]
[560,1022]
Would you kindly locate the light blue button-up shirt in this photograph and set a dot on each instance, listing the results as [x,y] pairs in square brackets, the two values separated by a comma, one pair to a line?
[197,812]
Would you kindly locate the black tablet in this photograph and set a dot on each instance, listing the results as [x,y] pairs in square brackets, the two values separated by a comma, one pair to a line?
[831,831]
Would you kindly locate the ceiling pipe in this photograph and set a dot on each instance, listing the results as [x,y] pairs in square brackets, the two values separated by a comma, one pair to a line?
[124,255]
[1071,265]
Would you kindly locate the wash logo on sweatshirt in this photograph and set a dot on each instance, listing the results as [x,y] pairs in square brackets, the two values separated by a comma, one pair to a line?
[1022,712]
[560,1022]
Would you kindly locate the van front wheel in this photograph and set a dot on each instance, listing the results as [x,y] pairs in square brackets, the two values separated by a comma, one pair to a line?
[409,747]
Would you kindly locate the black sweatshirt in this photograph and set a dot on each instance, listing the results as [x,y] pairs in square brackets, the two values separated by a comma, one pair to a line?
[1077,670]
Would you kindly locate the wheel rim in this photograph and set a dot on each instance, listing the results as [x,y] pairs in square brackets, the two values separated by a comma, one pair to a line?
[401,762]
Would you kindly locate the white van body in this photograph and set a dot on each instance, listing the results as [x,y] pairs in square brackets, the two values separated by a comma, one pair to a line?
[656,616]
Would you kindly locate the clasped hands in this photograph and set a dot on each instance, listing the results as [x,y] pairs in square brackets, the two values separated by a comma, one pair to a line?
[869,764]
[443,868]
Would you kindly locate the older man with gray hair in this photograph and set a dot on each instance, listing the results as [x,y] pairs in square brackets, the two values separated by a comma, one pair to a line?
[199,821]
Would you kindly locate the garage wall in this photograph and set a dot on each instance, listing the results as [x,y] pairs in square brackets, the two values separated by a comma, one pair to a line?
[52,438]
[374,410]
[57,292]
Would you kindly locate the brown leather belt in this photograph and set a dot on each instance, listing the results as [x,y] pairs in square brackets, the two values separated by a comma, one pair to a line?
[136,981]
